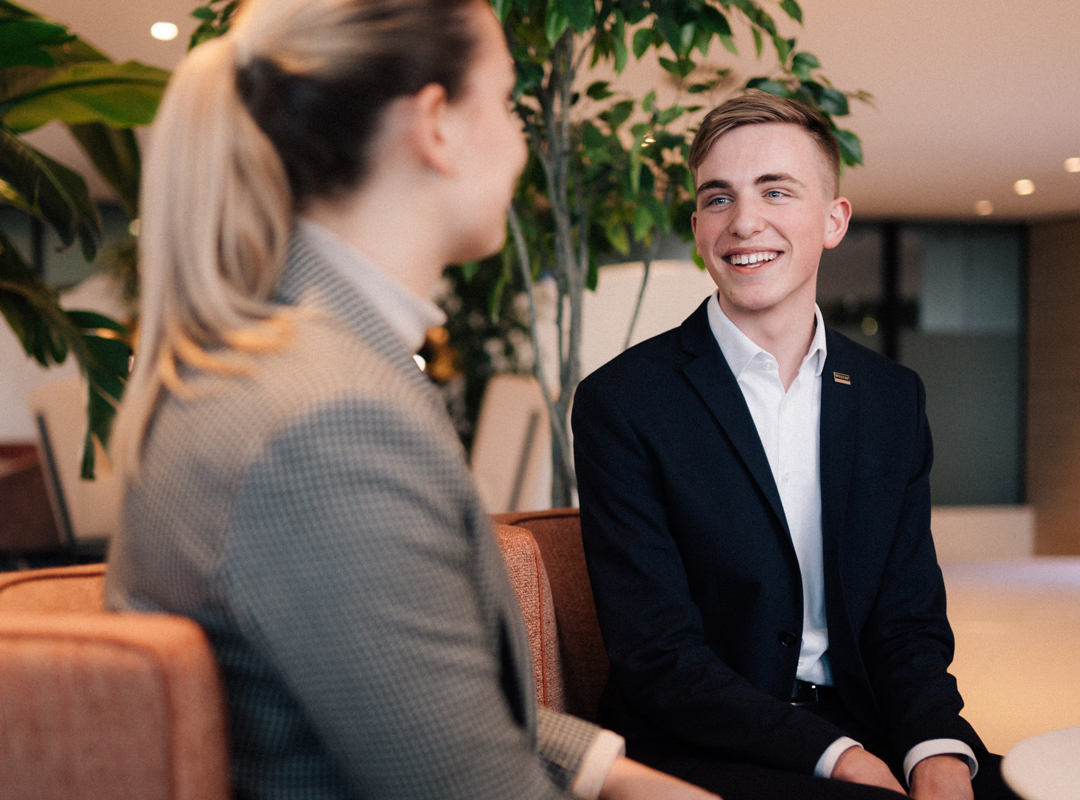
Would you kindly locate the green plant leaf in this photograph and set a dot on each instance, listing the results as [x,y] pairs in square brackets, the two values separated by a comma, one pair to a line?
[17,34]
[120,95]
[115,154]
[834,102]
[582,13]
[618,114]
[592,138]
[31,308]
[759,45]
[850,146]
[599,90]
[802,64]
[769,86]
[51,192]
[643,222]
[557,21]
[617,236]
[622,54]
[22,42]
[644,38]
[783,48]
[791,8]
[714,21]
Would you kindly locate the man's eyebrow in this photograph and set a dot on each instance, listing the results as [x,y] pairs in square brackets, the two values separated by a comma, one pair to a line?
[778,177]
[713,184]
[771,177]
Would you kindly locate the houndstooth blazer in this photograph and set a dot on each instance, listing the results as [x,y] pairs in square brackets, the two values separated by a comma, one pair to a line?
[318,520]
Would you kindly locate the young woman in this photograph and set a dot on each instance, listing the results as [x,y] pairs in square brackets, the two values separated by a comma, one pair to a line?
[293,483]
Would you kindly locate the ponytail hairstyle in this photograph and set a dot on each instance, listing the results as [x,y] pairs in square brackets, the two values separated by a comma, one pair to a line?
[253,125]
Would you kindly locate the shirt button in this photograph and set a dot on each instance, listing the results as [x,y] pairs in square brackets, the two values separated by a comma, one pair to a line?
[785,477]
[768,365]
[783,405]
[787,638]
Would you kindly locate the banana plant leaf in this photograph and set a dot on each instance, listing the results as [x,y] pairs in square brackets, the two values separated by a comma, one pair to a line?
[120,95]
[22,42]
[48,333]
[50,191]
[115,154]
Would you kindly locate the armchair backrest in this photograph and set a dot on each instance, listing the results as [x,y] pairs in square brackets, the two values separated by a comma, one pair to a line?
[104,706]
[78,588]
[557,533]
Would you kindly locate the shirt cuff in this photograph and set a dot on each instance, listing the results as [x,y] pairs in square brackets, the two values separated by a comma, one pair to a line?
[939,747]
[827,763]
[599,758]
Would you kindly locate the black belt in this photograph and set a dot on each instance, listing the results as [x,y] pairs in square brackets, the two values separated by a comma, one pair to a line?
[806,693]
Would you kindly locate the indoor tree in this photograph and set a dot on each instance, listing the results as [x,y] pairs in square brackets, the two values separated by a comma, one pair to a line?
[47,74]
[607,171]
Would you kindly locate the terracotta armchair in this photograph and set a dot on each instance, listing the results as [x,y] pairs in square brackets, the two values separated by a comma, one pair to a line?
[101,706]
[572,640]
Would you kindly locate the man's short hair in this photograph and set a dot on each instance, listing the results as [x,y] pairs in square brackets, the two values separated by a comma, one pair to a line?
[755,107]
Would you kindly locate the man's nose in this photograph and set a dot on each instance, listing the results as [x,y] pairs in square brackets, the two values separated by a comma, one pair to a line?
[747,219]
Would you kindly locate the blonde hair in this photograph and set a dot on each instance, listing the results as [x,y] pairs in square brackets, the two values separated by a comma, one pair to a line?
[755,107]
[253,124]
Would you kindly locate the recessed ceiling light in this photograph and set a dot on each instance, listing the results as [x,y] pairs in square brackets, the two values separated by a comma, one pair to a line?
[1024,186]
[1072,164]
[165,31]
[984,208]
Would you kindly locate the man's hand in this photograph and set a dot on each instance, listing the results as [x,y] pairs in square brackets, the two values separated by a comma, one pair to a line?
[855,765]
[941,778]
[629,780]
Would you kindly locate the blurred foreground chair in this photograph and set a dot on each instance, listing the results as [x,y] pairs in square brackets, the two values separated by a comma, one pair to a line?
[573,641]
[103,706]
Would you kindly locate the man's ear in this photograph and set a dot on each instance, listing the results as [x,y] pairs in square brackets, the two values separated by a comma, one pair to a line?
[837,224]
[428,131]
[693,223]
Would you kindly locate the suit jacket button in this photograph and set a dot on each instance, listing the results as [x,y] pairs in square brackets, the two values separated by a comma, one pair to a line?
[787,638]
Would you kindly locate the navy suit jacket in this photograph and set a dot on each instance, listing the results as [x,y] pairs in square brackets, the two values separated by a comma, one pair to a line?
[695,576]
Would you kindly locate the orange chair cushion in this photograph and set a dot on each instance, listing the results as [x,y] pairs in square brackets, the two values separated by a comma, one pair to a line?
[530,582]
[110,706]
[557,533]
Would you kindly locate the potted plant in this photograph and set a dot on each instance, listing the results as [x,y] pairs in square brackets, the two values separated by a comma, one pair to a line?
[48,74]
[607,171]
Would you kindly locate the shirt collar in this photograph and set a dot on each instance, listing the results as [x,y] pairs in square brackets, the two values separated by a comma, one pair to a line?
[739,350]
[407,314]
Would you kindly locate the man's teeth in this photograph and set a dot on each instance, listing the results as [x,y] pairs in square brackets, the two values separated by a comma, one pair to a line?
[750,259]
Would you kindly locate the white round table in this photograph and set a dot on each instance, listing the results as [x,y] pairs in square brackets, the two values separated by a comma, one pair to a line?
[1045,767]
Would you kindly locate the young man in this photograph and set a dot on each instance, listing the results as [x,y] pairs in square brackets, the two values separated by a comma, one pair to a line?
[756,511]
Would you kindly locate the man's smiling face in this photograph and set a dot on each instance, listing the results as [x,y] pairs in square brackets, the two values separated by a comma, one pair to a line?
[765,211]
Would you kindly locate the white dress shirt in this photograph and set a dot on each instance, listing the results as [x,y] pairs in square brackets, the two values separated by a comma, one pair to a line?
[411,317]
[788,423]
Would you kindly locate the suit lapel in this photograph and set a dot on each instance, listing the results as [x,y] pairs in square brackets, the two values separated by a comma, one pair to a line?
[839,429]
[840,389]
[713,380]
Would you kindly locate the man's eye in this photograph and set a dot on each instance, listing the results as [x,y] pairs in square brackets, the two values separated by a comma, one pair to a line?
[774,193]
[718,201]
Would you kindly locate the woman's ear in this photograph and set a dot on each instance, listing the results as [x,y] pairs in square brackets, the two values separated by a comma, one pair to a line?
[428,130]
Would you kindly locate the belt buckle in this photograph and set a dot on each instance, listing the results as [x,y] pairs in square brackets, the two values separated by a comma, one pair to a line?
[804,693]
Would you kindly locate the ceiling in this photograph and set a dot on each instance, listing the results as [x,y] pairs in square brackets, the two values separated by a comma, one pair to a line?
[970,95]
